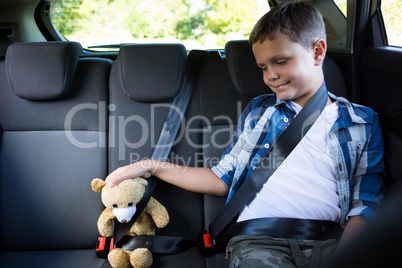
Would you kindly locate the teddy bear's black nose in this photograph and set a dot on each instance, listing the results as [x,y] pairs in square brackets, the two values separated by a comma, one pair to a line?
[130,204]
[115,205]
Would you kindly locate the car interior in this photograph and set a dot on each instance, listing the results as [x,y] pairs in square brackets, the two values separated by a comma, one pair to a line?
[69,114]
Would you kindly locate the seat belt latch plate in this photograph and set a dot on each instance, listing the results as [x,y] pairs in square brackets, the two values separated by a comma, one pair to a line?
[103,246]
[207,241]
[208,247]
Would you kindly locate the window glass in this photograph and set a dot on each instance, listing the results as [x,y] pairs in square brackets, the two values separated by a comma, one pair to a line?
[391,12]
[342,6]
[202,24]
[334,15]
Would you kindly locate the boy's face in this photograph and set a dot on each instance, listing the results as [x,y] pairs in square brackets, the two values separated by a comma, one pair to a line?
[291,70]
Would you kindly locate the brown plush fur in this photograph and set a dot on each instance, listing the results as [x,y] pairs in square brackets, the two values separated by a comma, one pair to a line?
[129,191]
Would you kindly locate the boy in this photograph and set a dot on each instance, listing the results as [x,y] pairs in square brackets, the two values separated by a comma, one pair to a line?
[335,172]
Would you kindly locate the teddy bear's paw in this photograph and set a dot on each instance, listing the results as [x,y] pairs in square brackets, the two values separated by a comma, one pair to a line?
[141,258]
[118,258]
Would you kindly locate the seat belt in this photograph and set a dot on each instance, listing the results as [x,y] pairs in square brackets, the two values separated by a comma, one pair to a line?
[165,142]
[285,143]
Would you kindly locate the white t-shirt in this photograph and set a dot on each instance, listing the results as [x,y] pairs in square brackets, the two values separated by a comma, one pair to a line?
[304,186]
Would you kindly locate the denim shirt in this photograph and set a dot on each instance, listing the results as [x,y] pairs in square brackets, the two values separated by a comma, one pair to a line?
[355,143]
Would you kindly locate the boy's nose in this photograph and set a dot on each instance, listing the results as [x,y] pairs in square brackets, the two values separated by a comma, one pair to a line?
[271,76]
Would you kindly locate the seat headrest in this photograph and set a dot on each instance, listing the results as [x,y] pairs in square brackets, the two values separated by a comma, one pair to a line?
[43,70]
[334,78]
[243,70]
[151,72]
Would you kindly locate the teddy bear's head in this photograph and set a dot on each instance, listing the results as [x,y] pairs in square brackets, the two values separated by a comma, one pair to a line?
[122,198]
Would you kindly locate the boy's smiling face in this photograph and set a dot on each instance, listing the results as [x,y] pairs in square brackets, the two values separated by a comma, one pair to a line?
[291,70]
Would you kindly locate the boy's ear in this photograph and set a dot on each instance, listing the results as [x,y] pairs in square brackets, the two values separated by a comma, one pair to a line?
[319,49]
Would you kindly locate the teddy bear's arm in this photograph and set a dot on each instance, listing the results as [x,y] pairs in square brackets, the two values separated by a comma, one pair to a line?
[105,223]
[158,212]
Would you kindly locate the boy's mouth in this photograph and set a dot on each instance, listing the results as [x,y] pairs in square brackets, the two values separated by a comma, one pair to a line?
[279,87]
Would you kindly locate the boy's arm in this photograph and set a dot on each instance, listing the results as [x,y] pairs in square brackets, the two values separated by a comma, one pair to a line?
[367,185]
[367,188]
[200,180]
[354,226]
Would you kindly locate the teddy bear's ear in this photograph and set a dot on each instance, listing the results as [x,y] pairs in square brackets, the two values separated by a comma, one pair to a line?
[97,185]
[141,181]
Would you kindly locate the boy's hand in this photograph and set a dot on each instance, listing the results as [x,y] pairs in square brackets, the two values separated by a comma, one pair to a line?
[355,225]
[139,169]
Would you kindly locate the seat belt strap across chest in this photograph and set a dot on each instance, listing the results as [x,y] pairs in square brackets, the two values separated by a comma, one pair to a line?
[284,145]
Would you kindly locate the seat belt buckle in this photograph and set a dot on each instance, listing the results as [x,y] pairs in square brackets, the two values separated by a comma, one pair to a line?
[207,241]
[103,246]
[208,245]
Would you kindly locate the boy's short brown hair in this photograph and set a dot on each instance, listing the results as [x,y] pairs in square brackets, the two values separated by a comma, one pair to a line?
[299,21]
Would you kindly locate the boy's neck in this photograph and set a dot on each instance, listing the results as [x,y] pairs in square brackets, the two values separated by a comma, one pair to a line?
[319,81]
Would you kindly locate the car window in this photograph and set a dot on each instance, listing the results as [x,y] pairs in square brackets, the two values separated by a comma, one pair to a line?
[391,12]
[342,6]
[334,15]
[198,24]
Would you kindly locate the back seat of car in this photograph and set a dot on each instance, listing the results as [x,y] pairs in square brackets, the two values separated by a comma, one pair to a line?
[65,121]
[54,141]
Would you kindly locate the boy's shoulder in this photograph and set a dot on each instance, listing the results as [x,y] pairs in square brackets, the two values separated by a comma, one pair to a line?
[259,105]
[263,102]
[358,113]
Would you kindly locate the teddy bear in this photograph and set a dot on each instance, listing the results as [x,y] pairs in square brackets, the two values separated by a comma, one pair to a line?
[120,202]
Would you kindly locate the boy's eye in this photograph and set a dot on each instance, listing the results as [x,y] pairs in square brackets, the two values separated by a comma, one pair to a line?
[281,62]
